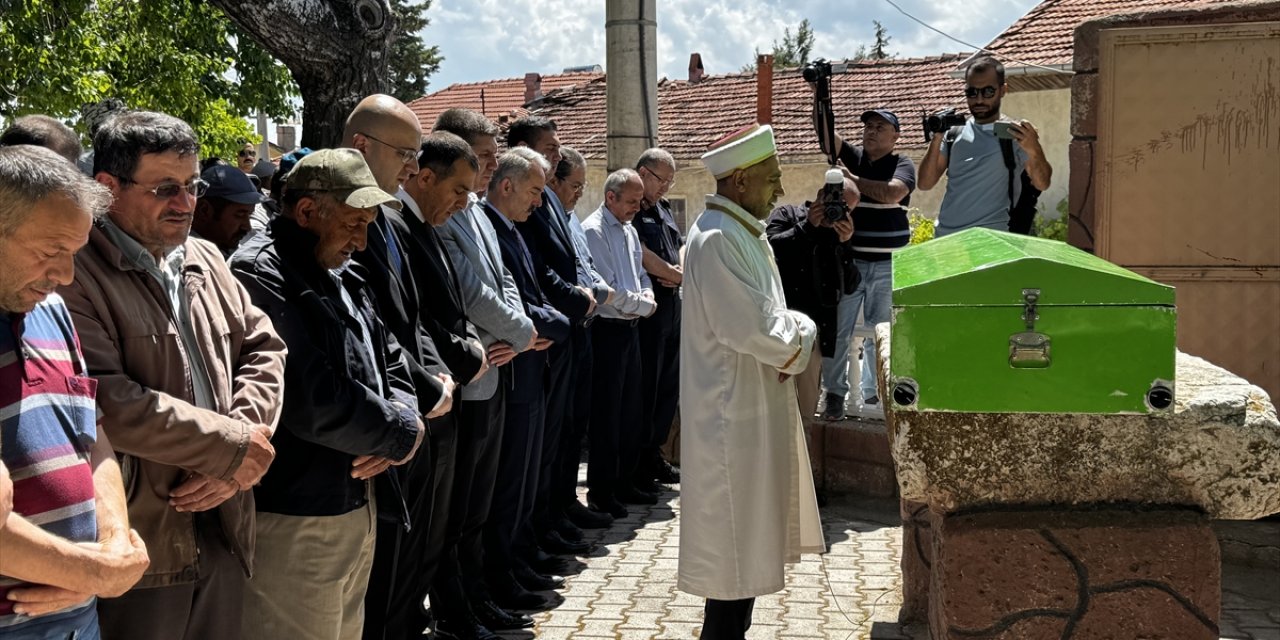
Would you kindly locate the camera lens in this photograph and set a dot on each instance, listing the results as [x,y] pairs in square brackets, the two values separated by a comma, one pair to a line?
[809,73]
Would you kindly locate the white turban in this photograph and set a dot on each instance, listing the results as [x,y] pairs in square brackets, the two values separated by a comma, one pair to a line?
[740,150]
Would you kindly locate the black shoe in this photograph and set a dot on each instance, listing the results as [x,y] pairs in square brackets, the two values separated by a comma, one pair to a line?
[568,530]
[667,474]
[834,409]
[463,630]
[508,594]
[587,518]
[489,614]
[645,485]
[534,581]
[635,496]
[610,507]
[872,401]
[545,563]
[555,543]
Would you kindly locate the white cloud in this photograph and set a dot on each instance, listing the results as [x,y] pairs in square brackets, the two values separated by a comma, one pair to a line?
[488,39]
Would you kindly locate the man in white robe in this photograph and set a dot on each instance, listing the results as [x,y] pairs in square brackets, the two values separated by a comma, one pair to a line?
[747,500]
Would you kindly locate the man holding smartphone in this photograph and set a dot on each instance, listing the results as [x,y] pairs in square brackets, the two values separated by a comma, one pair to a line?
[982,186]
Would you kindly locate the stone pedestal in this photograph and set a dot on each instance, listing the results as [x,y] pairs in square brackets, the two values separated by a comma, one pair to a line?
[1026,526]
[1045,575]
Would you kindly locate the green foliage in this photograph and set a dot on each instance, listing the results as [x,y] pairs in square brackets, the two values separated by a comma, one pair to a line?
[793,51]
[181,57]
[921,226]
[1052,228]
[880,50]
[412,61]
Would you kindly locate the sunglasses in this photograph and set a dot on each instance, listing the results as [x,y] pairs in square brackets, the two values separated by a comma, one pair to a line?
[986,92]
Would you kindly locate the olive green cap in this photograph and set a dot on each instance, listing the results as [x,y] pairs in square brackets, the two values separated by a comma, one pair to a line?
[342,172]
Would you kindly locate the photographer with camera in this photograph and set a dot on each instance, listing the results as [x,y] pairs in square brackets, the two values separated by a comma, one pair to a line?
[813,247]
[992,182]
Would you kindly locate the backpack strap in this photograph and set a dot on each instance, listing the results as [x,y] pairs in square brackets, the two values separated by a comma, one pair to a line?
[1010,163]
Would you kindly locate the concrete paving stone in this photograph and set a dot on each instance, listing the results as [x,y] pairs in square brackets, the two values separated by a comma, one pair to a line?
[576,588]
[672,630]
[649,605]
[763,631]
[803,611]
[657,573]
[630,570]
[878,582]
[806,580]
[593,574]
[614,597]
[624,583]
[606,612]
[656,590]
[556,633]
[676,613]
[563,618]
[636,634]
[576,602]
[641,620]
[805,595]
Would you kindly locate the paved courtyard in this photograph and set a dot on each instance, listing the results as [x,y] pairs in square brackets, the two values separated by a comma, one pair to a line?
[627,589]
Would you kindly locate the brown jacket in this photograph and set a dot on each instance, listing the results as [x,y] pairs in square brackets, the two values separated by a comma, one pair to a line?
[132,346]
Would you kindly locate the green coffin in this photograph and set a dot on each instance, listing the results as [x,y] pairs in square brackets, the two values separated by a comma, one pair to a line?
[993,322]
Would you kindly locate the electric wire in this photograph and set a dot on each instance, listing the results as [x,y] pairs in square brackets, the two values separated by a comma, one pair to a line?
[974,46]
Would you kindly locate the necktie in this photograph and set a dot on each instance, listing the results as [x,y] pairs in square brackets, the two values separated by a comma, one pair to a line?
[393,250]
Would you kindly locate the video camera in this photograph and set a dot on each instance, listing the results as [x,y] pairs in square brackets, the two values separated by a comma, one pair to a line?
[834,208]
[818,73]
[940,122]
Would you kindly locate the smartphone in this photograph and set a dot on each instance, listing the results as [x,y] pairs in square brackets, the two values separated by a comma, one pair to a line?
[1002,130]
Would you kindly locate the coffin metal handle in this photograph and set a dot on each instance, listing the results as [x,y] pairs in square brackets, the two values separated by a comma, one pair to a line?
[1029,349]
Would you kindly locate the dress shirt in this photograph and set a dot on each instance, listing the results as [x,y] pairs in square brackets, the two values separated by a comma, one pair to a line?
[169,274]
[615,250]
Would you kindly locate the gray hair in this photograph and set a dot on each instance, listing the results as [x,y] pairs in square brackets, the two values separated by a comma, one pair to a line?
[29,174]
[516,165]
[654,157]
[619,179]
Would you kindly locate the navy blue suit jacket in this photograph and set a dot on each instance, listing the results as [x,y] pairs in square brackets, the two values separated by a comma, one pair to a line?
[555,259]
[528,367]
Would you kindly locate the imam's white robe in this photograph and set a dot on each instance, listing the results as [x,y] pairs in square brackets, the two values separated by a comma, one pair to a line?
[747,503]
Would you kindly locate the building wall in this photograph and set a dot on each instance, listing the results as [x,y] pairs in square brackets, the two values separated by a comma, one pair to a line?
[801,182]
[1050,112]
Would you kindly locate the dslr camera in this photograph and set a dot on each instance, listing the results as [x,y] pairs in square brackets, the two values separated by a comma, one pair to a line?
[834,208]
[816,71]
[940,122]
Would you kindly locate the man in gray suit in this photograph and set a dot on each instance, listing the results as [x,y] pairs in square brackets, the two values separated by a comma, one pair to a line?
[461,603]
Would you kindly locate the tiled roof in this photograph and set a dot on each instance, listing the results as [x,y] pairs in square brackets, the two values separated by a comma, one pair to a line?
[691,116]
[1045,35]
[494,98]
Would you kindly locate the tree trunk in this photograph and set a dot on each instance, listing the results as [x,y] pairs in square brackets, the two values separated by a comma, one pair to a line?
[336,50]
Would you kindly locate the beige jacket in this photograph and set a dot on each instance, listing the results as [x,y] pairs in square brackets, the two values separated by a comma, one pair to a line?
[132,346]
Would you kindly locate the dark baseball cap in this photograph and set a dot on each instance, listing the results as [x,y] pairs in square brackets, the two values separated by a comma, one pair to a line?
[883,113]
[289,159]
[342,172]
[231,184]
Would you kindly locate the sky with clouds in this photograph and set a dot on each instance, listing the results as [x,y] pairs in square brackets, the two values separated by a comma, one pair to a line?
[489,39]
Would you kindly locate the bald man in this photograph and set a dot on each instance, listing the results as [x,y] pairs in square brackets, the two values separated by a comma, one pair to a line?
[390,137]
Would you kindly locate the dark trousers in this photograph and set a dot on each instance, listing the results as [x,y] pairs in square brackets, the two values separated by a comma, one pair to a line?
[404,562]
[560,379]
[517,481]
[564,488]
[208,608]
[615,408]
[660,371]
[459,577]
[727,619]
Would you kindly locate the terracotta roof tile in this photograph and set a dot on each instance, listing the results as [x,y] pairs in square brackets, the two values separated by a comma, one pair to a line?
[495,98]
[692,116]
[1045,35]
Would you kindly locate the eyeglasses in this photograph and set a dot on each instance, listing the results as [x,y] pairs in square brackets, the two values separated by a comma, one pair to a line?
[170,190]
[986,92]
[406,154]
[666,182]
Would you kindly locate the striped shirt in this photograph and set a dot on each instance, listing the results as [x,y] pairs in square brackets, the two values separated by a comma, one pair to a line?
[47,430]
[879,228]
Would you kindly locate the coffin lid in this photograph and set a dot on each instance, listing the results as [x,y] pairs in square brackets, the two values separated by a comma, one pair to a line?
[981,267]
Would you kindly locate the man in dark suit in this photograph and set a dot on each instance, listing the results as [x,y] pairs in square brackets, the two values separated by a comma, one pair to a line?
[447,169]
[570,287]
[516,188]
[387,134]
